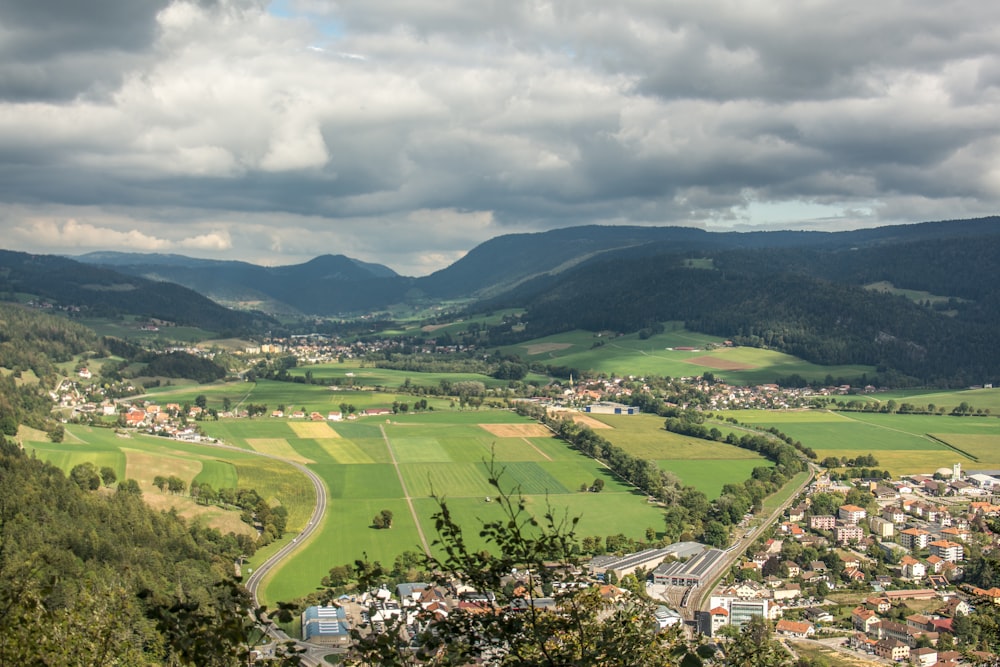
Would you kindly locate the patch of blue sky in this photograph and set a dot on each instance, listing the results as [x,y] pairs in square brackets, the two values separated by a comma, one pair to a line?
[328,26]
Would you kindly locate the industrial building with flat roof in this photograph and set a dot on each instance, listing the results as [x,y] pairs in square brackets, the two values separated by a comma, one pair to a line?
[325,625]
[650,558]
[691,573]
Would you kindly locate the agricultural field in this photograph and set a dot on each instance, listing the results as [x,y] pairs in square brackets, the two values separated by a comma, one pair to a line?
[129,328]
[294,396]
[705,465]
[902,444]
[661,355]
[351,373]
[977,399]
[142,458]
[372,464]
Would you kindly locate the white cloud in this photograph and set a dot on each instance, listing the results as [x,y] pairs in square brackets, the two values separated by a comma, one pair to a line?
[354,124]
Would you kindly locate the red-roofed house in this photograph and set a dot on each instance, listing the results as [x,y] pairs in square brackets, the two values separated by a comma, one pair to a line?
[795,628]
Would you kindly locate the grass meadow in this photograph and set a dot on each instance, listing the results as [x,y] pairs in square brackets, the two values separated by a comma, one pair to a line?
[979,399]
[659,355]
[443,454]
[143,458]
[902,444]
[705,465]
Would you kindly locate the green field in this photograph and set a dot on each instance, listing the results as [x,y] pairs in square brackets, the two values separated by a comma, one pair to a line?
[658,355]
[705,465]
[902,444]
[143,457]
[354,374]
[441,453]
[981,399]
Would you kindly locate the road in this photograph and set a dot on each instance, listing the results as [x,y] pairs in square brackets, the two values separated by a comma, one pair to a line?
[699,599]
[314,654]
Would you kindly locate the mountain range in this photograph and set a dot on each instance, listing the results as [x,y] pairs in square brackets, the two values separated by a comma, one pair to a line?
[336,285]
[917,301]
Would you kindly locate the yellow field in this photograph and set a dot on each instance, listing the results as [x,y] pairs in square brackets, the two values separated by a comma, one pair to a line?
[517,430]
[986,448]
[344,451]
[906,461]
[277,447]
[313,430]
[224,521]
[145,467]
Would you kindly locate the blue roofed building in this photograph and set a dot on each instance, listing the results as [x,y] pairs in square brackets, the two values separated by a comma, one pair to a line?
[326,626]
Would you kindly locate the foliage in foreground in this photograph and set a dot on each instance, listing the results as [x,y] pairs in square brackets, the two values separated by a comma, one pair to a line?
[530,560]
[97,578]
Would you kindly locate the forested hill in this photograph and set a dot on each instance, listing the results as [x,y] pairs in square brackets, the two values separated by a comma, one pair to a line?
[506,261]
[807,303]
[327,284]
[107,293]
[91,576]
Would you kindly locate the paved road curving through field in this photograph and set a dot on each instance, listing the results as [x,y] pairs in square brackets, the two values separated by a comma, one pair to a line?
[314,654]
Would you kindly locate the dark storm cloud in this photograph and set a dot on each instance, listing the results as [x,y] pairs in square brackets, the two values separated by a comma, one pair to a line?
[54,49]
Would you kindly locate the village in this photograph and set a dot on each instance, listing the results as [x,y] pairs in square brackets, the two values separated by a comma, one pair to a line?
[882,581]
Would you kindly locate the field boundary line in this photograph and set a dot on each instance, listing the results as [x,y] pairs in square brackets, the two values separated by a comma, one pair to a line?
[535,447]
[406,494]
[953,447]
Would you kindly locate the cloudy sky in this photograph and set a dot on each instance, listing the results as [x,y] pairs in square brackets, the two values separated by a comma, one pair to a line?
[408,131]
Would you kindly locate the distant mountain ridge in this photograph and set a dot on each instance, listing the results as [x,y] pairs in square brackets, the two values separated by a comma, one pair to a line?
[325,285]
[336,284]
[107,293]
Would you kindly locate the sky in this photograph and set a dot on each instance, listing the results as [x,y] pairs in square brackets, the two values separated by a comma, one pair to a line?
[406,132]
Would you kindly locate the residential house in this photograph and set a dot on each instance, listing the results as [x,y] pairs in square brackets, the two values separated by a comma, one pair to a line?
[799,629]
[796,514]
[882,605]
[935,564]
[892,649]
[924,657]
[864,620]
[849,560]
[894,514]
[911,568]
[719,618]
[854,574]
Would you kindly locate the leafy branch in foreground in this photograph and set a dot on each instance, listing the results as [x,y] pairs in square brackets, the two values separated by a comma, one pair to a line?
[525,603]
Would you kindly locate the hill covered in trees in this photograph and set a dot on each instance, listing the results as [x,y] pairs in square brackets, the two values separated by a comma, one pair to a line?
[101,292]
[96,577]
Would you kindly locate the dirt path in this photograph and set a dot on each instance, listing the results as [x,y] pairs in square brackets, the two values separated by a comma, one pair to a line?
[406,494]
